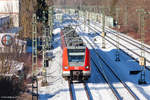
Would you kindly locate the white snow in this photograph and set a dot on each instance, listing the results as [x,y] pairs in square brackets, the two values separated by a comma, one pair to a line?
[58,88]
[123,67]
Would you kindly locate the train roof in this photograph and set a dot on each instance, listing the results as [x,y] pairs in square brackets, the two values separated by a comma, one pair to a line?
[72,39]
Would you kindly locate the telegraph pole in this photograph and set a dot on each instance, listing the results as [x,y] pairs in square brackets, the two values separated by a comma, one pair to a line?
[90,14]
[78,15]
[44,72]
[88,19]
[34,58]
[99,15]
[49,17]
[126,16]
[97,19]
[50,24]
[84,11]
[142,60]
[103,29]
[117,36]
[95,14]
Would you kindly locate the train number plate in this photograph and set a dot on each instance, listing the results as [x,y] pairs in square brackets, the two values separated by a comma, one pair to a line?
[76,68]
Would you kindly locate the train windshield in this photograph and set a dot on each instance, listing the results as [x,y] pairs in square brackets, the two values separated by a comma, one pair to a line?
[76,57]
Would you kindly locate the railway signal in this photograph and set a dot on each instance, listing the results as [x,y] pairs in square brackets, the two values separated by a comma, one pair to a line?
[142,60]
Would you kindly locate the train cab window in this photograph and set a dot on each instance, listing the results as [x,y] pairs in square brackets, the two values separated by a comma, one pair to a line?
[76,55]
[79,58]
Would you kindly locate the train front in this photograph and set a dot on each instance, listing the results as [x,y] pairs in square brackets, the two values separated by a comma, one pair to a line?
[76,63]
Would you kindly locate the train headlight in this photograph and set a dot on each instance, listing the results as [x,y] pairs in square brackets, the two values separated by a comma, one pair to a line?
[66,67]
[86,67]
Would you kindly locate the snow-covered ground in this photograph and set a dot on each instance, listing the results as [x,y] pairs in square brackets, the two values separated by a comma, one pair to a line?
[111,33]
[123,67]
[58,88]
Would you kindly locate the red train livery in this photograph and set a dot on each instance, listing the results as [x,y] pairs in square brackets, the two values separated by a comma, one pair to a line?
[75,57]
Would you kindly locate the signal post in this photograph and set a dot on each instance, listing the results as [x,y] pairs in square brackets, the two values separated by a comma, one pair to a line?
[142,60]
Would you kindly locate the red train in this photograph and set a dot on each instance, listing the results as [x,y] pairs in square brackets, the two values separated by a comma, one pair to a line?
[75,57]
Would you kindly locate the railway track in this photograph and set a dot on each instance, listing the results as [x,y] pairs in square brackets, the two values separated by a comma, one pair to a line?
[71,90]
[124,37]
[137,43]
[97,31]
[107,81]
[73,94]
[128,40]
[123,84]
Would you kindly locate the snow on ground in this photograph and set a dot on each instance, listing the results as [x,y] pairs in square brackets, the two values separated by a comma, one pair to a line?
[119,87]
[123,67]
[58,88]
[130,46]
[79,89]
